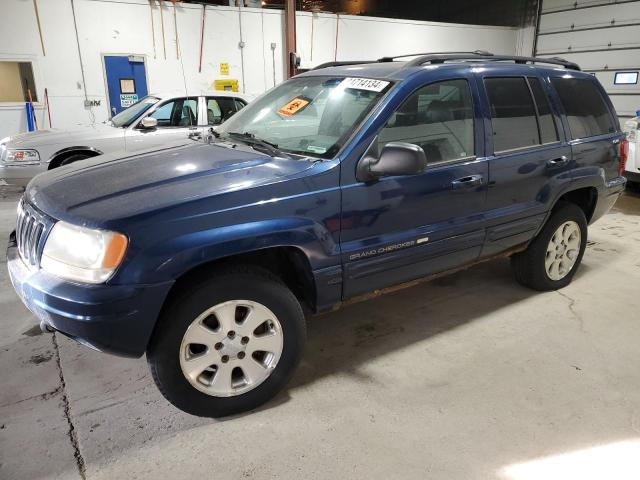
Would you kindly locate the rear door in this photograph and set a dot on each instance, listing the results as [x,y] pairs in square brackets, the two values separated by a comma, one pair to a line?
[529,158]
[400,228]
[592,126]
[219,109]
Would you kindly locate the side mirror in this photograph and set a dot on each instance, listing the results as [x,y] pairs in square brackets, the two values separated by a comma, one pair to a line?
[148,123]
[396,158]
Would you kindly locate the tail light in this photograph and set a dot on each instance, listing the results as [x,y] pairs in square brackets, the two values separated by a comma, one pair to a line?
[624,154]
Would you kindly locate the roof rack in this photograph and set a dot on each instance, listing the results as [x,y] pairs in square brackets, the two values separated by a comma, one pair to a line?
[442,57]
[480,55]
[341,64]
[475,52]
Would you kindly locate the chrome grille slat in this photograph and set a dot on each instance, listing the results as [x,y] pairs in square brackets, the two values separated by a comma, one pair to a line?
[31,226]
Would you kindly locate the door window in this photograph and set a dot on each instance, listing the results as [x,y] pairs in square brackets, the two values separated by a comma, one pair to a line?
[513,115]
[584,106]
[181,112]
[220,109]
[548,131]
[437,117]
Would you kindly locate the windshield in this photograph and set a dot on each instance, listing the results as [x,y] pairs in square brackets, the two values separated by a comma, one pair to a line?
[312,116]
[129,115]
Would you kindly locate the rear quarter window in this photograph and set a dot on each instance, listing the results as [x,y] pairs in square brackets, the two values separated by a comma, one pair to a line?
[584,106]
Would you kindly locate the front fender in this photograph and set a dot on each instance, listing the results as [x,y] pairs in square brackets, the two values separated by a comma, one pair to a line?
[172,258]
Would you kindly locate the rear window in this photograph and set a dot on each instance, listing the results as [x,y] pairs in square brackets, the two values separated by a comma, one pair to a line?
[513,114]
[586,110]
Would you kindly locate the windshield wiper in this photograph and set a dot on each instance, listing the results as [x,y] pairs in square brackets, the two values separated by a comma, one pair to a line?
[250,139]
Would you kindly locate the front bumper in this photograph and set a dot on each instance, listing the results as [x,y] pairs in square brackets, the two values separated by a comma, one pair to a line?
[20,175]
[117,319]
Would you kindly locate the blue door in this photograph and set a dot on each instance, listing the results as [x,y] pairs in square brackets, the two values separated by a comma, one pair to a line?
[126,81]
[400,228]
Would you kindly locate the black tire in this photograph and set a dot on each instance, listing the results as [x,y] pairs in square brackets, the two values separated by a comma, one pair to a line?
[73,158]
[529,266]
[246,283]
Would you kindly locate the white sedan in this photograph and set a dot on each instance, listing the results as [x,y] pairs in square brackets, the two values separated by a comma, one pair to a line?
[155,120]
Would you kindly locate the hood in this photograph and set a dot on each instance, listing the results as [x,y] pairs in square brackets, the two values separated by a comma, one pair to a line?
[107,188]
[80,134]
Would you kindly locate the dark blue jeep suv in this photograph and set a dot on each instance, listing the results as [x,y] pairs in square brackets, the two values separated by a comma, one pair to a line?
[345,180]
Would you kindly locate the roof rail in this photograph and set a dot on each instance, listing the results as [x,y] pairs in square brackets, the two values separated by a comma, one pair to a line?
[341,64]
[444,57]
[475,52]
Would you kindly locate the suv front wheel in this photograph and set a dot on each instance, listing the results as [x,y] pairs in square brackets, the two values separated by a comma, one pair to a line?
[553,257]
[228,344]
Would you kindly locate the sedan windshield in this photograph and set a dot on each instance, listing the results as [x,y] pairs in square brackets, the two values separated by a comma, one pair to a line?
[131,114]
[311,116]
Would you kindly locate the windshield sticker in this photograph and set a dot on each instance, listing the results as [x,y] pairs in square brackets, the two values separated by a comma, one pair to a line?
[364,84]
[314,149]
[294,106]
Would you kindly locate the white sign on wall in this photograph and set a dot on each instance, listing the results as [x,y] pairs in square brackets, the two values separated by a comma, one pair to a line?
[126,100]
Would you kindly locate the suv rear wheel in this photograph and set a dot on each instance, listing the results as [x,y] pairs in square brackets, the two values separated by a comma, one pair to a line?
[228,344]
[553,257]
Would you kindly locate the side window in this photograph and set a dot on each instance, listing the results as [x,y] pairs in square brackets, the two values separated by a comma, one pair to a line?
[214,112]
[586,111]
[181,112]
[513,115]
[437,117]
[547,124]
[220,109]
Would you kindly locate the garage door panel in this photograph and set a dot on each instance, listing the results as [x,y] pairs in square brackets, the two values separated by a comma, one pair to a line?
[626,104]
[620,37]
[553,5]
[620,14]
[607,80]
[621,59]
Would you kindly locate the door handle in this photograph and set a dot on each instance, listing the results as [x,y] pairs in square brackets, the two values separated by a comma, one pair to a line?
[196,134]
[558,161]
[467,182]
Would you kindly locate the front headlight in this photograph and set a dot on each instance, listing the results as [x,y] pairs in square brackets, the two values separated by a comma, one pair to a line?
[15,155]
[82,254]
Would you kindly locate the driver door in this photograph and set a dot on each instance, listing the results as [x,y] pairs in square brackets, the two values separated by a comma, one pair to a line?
[399,228]
[177,120]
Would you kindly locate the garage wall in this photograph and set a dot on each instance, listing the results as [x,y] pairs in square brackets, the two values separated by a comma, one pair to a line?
[136,27]
[602,36]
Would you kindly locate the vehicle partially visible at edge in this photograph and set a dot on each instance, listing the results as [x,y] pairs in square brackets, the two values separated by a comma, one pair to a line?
[153,121]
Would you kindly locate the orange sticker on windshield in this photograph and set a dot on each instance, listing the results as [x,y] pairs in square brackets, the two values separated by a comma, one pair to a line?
[293,107]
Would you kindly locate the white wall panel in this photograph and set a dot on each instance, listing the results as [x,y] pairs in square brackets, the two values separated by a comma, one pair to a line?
[125,27]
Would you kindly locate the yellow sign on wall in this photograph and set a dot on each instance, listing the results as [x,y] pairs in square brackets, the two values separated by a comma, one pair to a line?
[224,69]
[228,85]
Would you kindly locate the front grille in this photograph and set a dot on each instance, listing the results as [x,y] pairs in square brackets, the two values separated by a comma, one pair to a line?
[31,227]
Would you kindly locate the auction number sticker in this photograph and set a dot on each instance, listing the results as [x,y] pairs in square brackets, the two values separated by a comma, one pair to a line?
[293,107]
[364,84]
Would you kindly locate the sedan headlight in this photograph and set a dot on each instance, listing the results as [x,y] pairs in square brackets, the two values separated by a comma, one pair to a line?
[82,254]
[13,155]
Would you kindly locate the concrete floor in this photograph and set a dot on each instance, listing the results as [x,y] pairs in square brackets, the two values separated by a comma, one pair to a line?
[467,377]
